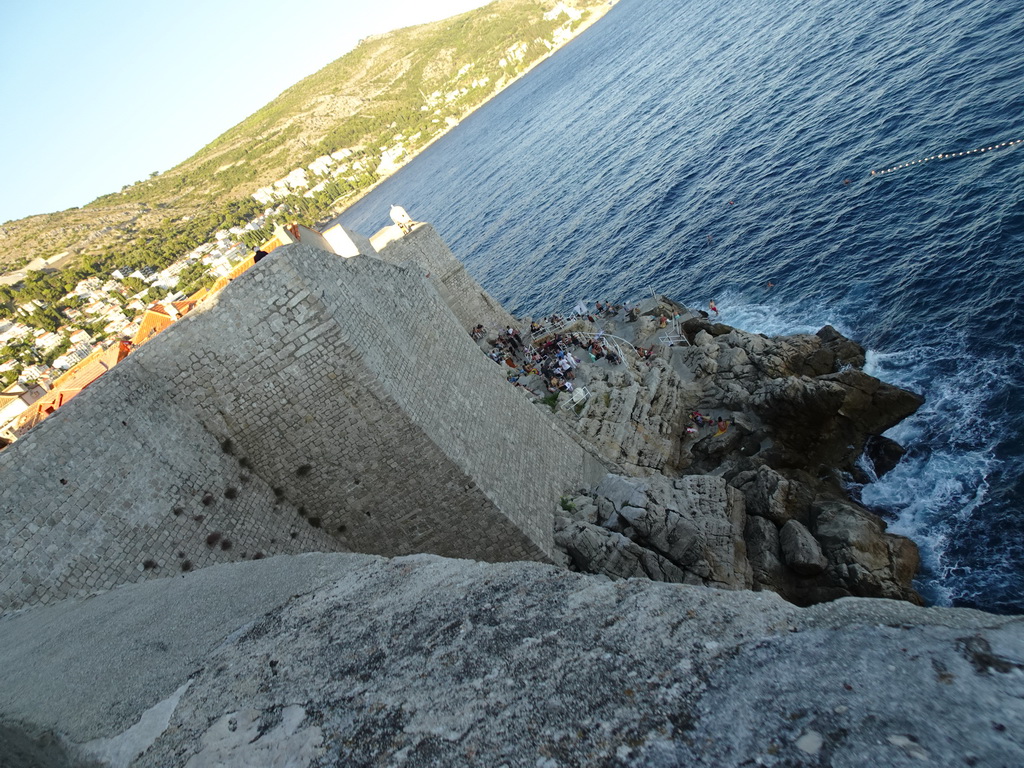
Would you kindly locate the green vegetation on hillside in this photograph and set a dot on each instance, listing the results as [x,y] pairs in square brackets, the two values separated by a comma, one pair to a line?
[404,87]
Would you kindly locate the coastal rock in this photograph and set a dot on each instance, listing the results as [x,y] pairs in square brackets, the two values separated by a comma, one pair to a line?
[883,453]
[632,415]
[848,353]
[800,551]
[666,531]
[593,549]
[694,524]
[765,554]
[767,495]
[864,559]
[872,405]
[621,491]
[713,449]
[799,415]
[427,661]
[798,406]
[826,421]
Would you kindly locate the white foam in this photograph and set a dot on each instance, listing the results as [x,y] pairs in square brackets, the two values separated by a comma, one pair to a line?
[770,319]
[944,481]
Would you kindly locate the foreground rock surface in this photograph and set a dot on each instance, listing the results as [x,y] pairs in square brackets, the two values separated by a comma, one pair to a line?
[352,660]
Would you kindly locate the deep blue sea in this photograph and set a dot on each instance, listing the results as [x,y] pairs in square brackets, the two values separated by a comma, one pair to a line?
[703,150]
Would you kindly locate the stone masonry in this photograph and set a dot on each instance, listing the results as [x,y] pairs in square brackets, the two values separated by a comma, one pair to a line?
[317,404]
[424,248]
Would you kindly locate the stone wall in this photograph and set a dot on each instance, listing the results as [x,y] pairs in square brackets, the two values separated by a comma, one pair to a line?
[318,403]
[425,248]
[121,485]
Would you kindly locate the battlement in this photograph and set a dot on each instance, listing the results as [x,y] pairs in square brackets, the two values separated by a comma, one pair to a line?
[319,403]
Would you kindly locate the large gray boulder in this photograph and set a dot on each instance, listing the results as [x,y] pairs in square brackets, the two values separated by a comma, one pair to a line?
[863,558]
[594,549]
[688,530]
[800,550]
[353,660]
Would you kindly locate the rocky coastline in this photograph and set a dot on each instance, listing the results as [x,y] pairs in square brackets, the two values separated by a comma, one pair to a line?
[319,659]
[765,504]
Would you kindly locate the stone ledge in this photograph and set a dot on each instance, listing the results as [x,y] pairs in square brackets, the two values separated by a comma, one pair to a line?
[456,662]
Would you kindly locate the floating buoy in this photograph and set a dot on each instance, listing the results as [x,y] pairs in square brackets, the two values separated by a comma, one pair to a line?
[947,156]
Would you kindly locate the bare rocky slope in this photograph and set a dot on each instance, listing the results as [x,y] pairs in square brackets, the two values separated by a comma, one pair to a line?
[354,660]
[361,102]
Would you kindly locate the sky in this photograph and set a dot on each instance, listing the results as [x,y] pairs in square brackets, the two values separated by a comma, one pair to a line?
[100,94]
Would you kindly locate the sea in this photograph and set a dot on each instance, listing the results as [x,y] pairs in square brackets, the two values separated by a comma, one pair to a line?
[801,164]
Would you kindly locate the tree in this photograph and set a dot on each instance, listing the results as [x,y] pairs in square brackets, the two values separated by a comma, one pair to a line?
[57,351]
[9,377]
[23,350]
[194,277]
[7,301]
[134,284]
[46,318]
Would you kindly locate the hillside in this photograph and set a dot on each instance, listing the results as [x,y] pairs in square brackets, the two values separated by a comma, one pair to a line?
[400,89]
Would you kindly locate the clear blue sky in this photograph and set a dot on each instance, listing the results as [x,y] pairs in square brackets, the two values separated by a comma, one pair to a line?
[100,94]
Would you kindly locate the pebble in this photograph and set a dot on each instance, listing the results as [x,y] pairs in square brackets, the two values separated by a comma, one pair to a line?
[811,742]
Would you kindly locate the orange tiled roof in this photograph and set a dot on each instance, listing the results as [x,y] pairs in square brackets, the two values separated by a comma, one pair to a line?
[194,299]
[271,244]
[156,317]
[154,320]
[222,283]
[71,383]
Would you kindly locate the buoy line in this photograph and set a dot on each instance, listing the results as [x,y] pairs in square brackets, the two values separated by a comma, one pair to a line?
[948,156]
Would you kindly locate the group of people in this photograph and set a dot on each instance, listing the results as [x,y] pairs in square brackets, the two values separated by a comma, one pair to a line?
[598,348]
[699,421]
[552,359]
[607,309]
[508,347]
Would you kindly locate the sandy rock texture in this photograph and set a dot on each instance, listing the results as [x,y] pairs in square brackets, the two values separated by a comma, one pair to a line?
[354,660]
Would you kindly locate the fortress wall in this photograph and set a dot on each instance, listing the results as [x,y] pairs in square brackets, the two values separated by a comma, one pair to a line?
[440,380]
[355,392]
[118,477]
[467,300]
[338,398]
[298,392]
